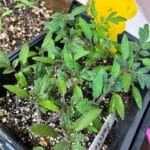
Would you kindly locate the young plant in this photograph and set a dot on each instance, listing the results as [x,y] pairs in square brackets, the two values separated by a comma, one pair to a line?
[68,77]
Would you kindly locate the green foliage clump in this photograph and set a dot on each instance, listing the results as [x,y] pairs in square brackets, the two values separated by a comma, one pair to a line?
[69,76]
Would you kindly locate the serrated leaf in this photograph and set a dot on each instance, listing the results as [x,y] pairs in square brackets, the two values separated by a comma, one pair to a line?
[49,105]
[146,62]
[125,48]
[27,3]
[115,70]
[85,28]
[112,106]
[43,130]
[78,10]
[97,85]
[144,34]
[38,148]
[21,79]
[115,19]
[84,106]
[117,103]
[6,13]
[137,96]
[77,95]
[4,61]
[61,146]
[147,79]
[146,45]
[126,81]
[23,55]
[85,119]
[80,54]
[16,90]
[31,54]
[141,80]
[93,9]
[8,71]
[68,59]
[61,86]
[77,137]
[78,147]
[15,63]
[49,45]
[46,60]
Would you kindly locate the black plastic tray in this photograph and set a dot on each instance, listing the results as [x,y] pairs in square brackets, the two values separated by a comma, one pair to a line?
[127,130]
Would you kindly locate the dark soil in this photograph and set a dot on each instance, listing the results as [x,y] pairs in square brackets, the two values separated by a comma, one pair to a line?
[16,115]
[21,25]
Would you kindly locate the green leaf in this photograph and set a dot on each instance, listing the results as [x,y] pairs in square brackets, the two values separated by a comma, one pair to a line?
[32,53]
[115,19]
[97,84]
[46,60]
[147,77]
[49,45]
[49,105]
[68,59]
[23,55]
[144,34]
[21,79]
[61,146]
[141,79]
[6,12]
[146,62]
[115,70]
[112,107]
[78,92]
[85,119]
[27,3]
[43,130]
[38,148]
[78,147]
[78,10]
[93,9]
[8,71]
[77,95]
[16,90]
[125,48]
[137,96]
[85,28]
[78,137]
[84,106]
[4,61]
[126,81]
[15,63]
[119,106]
[146,45]
[80,54]
[61,86]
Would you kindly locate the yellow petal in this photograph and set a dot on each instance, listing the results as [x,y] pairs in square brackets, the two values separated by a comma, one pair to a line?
[124,8]
[116,29]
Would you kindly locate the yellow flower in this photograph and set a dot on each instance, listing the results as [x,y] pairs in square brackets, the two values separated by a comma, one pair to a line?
[123,8]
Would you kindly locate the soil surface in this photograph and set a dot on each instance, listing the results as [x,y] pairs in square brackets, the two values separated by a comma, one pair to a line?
[17,115]
[22,24]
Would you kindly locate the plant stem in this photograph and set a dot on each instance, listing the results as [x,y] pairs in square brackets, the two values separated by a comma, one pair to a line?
[38,114]
[100,99]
